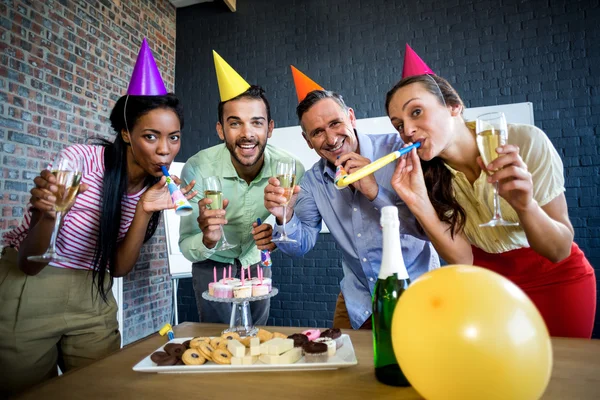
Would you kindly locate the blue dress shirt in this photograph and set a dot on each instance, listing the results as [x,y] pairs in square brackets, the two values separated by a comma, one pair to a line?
[353,221]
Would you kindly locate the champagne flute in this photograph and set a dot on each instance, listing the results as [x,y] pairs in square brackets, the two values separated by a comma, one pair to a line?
[286,174]
[67,172]
[492,132]
[214,191]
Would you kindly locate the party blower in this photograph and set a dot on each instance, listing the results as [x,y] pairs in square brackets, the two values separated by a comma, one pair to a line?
[183,206]
[345,180]
[265,255]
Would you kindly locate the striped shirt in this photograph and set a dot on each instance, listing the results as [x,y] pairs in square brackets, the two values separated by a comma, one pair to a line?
[78,234]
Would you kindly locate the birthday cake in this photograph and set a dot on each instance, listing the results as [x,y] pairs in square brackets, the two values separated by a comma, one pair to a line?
[247,286]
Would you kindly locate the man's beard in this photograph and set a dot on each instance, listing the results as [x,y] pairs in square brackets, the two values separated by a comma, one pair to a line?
[244,162]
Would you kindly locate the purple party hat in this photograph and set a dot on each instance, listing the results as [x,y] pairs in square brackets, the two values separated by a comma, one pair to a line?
[146,80]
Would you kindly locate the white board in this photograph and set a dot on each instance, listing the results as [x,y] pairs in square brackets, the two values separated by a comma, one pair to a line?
[290,138]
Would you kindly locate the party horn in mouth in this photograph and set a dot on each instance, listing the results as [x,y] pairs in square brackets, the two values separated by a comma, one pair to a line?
[374,166]
[183,206]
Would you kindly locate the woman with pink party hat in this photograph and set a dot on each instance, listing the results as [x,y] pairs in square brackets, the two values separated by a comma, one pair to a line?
[63,311]
[446,186]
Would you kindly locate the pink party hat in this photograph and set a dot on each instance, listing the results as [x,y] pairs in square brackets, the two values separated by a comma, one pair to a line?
[146,80]
[413,65]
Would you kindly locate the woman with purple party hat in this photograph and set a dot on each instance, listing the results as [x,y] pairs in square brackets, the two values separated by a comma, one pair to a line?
[61,311]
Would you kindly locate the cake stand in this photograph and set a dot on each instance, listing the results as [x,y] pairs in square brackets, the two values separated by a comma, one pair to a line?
[241,317]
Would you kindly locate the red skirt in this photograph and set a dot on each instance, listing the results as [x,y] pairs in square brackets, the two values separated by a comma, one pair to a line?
[563,292]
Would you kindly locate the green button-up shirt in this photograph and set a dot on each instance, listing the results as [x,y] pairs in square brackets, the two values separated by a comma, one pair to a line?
[246,203]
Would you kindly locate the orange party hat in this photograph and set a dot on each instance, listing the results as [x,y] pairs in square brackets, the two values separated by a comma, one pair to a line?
[304,85]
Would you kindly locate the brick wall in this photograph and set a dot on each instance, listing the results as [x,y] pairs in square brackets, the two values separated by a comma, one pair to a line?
[494,52]
[63,65]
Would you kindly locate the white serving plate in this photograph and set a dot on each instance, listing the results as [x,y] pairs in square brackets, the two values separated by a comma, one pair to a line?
[343,358]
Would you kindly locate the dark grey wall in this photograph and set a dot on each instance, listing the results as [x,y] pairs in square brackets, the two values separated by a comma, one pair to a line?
[493,52]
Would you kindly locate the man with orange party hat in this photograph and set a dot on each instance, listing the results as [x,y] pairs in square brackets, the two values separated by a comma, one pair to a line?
[352,215]
[243,164]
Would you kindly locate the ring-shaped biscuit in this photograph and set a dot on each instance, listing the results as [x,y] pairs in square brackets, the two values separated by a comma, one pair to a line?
[158,356]
[175,349]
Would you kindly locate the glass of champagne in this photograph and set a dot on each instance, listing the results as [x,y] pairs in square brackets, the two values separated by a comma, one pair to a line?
[492,132]
[214,191]
[286,174]
[67,172]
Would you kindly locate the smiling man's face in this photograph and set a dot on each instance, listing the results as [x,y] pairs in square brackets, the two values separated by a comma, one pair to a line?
[245,130]
[329,129]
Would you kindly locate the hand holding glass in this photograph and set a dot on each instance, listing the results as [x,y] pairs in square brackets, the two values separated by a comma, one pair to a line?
[492,132]
[67,173]
[214,191]
[286,174]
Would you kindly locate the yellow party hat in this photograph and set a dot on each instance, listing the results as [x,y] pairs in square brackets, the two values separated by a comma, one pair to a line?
[231,84]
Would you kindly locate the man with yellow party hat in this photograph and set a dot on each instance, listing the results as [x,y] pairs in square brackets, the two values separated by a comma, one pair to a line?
[352,216]
[243,164]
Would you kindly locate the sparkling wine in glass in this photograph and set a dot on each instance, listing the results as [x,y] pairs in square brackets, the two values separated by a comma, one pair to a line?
[286,174]
[214,191]
[67,172]
[492,132]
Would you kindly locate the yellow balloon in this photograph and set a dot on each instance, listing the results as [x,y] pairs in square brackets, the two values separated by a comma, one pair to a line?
[462,332]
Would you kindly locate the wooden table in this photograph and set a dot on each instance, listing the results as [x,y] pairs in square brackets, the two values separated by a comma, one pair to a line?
[576,375]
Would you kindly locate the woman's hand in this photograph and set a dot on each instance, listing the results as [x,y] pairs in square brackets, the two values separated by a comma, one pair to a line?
[408,181]
[515,184]
[158,198]
[43,195]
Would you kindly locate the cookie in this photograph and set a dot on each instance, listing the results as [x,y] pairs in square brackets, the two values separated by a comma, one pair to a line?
[221,356]
[219,343]
[193,357]
[195,342]
[158,356]
[264,335]
[299,339]
[230,335]
[279,335]
[167,361]
[206,350]
[175,349]
[245,341]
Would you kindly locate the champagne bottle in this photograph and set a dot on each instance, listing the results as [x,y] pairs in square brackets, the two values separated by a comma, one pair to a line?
[393,280]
